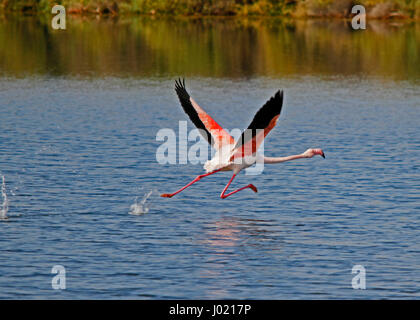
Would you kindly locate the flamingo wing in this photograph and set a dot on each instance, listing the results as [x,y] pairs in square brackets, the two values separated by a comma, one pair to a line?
[209,129]
[264,121]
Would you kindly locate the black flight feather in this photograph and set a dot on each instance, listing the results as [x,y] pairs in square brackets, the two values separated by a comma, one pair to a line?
[186,104]
[263,117]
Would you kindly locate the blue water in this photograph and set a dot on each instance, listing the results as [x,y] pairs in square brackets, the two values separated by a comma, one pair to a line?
[76,153]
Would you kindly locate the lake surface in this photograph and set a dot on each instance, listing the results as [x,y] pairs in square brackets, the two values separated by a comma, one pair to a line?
[79,114]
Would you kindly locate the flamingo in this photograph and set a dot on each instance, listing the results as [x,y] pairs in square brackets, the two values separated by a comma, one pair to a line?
[234,155]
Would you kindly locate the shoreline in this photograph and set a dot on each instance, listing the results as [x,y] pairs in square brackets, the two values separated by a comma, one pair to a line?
[203,16]
[388,10]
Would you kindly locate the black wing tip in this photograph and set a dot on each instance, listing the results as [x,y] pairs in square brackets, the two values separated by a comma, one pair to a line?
[180,88]
[180,83]
[279,96]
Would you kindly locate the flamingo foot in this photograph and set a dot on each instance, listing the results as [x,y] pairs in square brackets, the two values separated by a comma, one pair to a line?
[254,188]
[166,195]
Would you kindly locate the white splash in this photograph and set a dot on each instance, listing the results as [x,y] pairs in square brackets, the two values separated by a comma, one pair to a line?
[141,208]
[5,205]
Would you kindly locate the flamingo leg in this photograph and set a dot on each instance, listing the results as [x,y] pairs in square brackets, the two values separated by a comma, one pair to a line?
[223,196]
[170,195]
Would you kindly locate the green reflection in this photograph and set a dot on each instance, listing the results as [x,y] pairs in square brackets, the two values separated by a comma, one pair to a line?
[143,46]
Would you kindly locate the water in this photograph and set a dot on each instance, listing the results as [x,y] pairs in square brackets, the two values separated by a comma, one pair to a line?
[78,147]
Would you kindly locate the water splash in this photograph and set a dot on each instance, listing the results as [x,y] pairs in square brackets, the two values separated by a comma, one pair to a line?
[5,205]
[141,208]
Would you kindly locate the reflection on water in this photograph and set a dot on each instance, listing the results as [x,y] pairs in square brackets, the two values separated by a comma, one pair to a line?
[142,46]
[232,232]
[229,241]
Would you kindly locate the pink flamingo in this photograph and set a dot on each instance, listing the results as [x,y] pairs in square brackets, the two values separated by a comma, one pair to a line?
[231,155]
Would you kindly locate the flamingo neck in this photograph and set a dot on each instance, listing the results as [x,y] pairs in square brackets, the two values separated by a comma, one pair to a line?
[283,159]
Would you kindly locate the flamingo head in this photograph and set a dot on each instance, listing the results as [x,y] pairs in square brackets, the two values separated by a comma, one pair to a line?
[313,152]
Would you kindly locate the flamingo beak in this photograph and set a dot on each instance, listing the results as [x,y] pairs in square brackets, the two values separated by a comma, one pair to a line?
[323,155]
